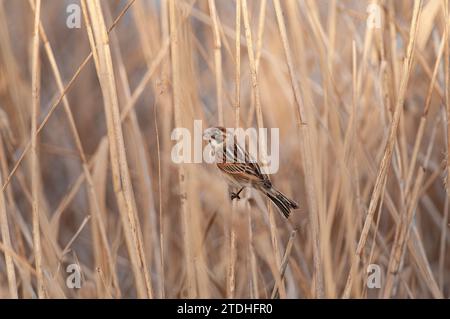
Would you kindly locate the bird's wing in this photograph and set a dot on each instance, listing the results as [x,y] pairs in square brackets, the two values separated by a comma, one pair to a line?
[243,171]
[241,165]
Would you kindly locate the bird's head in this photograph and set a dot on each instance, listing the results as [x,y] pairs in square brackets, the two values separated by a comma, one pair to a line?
[215,135]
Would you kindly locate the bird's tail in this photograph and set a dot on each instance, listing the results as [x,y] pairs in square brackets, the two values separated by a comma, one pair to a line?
[283,203]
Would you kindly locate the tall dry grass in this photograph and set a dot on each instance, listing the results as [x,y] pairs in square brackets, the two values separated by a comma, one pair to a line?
[86,117]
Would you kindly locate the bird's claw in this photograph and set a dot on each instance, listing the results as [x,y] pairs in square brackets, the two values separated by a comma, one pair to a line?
[235,195]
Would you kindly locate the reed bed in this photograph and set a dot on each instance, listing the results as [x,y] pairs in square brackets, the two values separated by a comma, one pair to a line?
[358,89]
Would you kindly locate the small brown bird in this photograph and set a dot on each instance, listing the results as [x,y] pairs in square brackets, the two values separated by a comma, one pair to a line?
[241,170]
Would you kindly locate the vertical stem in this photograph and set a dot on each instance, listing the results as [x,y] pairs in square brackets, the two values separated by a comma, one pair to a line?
[238,64]
[259,119]
[261,24]
[217,58]
[446,85]
[4,228]
[447,107]
[35,84]
[120,172]
[307,157]
[232,252]
[175,51]
[384,165]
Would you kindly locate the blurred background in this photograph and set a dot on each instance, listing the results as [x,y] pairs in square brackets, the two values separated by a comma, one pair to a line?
[91,91]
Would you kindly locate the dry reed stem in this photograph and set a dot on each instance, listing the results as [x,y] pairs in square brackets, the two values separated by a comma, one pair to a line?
[121,178]
[444,227]
[259,38]
[139,164]
[403,230]
[59,99]
[414,245]
[237,91]
[92,194]
[34,154]
[11,68]
[123,116]
[277,254]
[260,123]
[254,287]
[174,47]
[447,89]
[18,259]
[348,94]
[251,57]
[303,132]
[217,59]
[384,165]
[284,263]
[104,261]
[4,228]
[161,219]
[231,277]
[424,117]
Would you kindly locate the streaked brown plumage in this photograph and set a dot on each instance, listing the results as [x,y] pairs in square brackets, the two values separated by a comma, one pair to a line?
[242,170]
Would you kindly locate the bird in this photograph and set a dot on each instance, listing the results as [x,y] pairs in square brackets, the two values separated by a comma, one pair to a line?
[242,170]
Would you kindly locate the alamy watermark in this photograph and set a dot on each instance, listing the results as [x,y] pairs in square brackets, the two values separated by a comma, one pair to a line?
[253,147]
[373,276]
[374,19]
[73,20]
[73,280]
